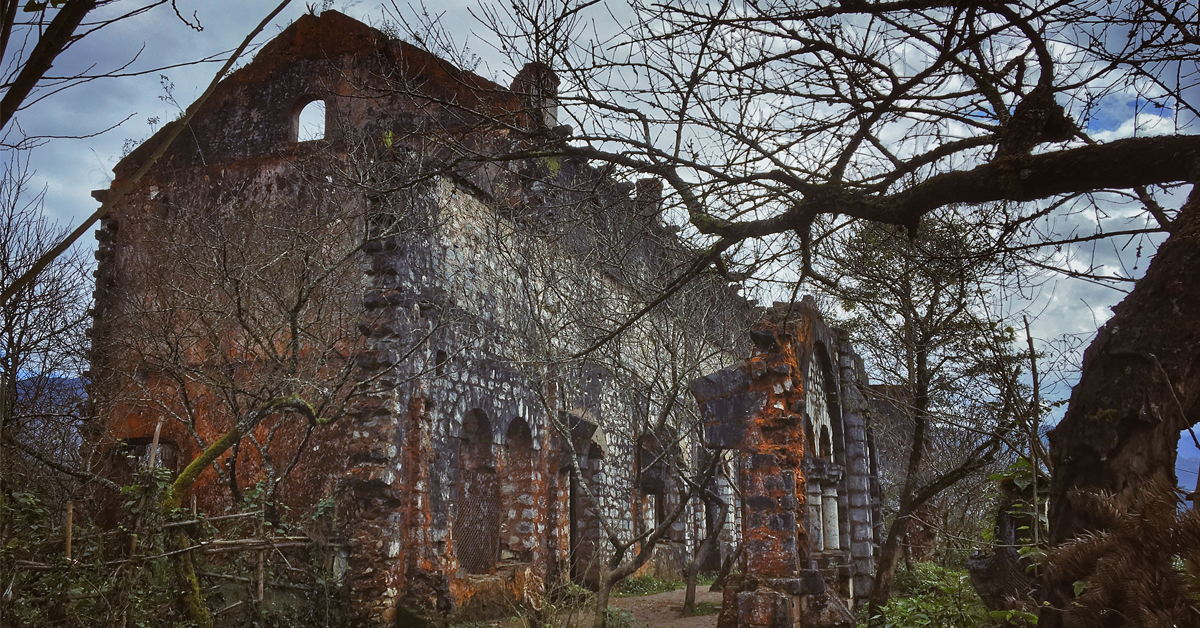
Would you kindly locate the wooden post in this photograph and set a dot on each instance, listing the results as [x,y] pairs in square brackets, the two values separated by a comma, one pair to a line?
[152,461]
[70,527]
[261,575]
[1035,412]
[260,571]
[193,505]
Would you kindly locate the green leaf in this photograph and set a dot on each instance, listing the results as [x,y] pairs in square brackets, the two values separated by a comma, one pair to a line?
[1080,586]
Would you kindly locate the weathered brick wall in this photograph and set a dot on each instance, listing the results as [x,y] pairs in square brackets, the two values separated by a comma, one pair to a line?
[803,456]
[451,473]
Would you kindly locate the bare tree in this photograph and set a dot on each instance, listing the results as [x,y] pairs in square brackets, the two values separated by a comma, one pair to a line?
[234,315]
[42,350]
[776,125]
[918,308]
[29,71]
[252,305]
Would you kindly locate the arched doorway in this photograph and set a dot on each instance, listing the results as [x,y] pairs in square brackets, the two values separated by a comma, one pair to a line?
[476,529]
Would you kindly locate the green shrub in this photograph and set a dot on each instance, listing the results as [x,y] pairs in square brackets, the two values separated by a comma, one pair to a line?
[571,596]
[644,585]
[930,596]
[618,618]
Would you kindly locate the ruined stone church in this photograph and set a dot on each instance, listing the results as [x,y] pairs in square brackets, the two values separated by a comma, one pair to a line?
[456,304]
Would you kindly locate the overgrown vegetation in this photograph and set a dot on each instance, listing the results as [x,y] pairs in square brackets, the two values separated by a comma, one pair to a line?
[931,596]
[1140,568]
[645,585]
[126,574]
[619,618]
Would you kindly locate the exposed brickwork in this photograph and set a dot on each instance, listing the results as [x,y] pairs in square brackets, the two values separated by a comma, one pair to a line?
[806,521]
[471,467]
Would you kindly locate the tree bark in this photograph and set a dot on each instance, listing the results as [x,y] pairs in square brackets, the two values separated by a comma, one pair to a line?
[706,547]
[1140,386]
[885,571]
[51,43]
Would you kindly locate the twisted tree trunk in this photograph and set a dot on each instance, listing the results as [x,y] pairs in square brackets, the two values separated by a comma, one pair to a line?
[1140,386]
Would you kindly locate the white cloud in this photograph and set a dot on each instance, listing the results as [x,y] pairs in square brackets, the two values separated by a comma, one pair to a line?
[1140,125]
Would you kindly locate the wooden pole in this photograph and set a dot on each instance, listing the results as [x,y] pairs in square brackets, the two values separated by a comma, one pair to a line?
[260,571]
[261,575]
[70,527]
[1035,412]
[152,462]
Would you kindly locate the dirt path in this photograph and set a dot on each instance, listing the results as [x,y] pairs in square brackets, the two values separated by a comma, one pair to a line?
[651,611]
[662,610]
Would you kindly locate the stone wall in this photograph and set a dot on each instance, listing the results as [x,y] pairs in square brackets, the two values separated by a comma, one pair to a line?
[464,411]
[801,433]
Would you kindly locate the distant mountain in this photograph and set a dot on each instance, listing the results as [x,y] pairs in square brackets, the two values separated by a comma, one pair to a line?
[51,390]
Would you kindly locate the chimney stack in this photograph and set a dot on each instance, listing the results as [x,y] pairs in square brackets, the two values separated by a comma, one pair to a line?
[537,87]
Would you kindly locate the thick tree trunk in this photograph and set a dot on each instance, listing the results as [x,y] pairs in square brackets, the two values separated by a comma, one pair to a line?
[885,571]
[708,546]
[889,554]
[1139,387]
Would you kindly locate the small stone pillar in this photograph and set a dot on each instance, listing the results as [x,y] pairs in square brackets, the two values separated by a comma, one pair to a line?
[814,516]
[830,531]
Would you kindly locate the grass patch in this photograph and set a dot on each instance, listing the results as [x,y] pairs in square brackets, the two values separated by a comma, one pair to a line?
[617,618]
[571,597]
[644,585]
[707,608]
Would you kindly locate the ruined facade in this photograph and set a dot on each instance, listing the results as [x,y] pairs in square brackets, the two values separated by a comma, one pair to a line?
[441,304]
[811,519]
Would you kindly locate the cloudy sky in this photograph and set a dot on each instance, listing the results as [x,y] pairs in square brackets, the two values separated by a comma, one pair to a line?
[69,169]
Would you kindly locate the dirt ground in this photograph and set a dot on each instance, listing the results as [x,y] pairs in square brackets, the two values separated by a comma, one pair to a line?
[651,611]
[662,610]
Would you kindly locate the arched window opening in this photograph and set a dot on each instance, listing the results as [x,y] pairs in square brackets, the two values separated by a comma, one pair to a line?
[816,398]
[440,363]
[310,122]
[833,405]
[585,521]
[163,209]
[810,439]
[826,441]
[477,525]
[650,469]
[137,452]
[520,502]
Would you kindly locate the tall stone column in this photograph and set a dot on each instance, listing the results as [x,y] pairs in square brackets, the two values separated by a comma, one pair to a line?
[753,408]
[816,538]
[862,513]
[756,409]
